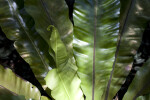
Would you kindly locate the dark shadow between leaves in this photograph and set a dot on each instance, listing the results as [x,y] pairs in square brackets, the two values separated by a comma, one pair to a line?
[10,58]
[140,58]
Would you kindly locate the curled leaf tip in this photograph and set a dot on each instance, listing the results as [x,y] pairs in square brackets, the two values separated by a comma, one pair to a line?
[50,27]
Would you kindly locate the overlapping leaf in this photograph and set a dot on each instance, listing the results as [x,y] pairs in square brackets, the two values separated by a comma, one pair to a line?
[63,81]
[134,17]
[18,25]
[51,12]
[100,17]
[55,12]
[7,95]
[15,84]
[140,85]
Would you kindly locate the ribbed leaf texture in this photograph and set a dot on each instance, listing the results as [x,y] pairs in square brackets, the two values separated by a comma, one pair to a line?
[63,81]
[134,17]
[96,26]
[95,57]
[15,84]
[19,26]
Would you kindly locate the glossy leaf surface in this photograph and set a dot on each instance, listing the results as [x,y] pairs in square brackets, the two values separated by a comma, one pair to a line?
[18,86]
[134,15]
[98,17]
[51,12]
[63,80]
[96,29]
[19,26]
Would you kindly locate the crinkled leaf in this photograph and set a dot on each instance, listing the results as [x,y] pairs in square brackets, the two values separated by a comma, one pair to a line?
[100,17]
[17,85]
[63,80]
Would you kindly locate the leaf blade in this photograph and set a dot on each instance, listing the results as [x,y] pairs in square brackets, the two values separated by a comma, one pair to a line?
[63,81]
[107,20]
[132,24]
[17,85]
[18,25]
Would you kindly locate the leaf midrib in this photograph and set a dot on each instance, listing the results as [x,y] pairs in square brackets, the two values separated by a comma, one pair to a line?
[118,46]
[46,11]
[58,71]
[94,47]
[45,65]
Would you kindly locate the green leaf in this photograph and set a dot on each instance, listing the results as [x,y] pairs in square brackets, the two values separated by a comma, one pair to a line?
[7,95]
[17,85]
[51,12]
[134,15]
[44,98]
[63,80]
[144,97]
[98,17]
[19,26]
[140,84]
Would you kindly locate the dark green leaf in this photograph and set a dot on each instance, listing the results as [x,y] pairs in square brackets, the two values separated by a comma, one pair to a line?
[140,84]
[134,17]
[19,26]
[51,12]
[7,95]
[100,17]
